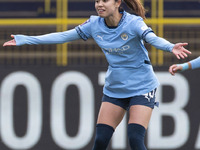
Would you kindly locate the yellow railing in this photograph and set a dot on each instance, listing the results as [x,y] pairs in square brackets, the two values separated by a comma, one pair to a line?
[154,17]
[47,5]
[71,21]
[43,21]
[61,14]
[157,22]
[160,29]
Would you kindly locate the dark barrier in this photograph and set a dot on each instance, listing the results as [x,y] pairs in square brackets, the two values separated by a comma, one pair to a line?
[52,108]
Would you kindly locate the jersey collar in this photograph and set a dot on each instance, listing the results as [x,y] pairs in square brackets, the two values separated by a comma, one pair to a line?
[120,22]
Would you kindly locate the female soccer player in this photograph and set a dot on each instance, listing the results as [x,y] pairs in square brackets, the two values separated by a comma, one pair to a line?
[130,82]
[193,64]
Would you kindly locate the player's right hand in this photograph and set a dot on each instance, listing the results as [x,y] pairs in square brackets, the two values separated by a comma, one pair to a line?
[174,68]
[11,42]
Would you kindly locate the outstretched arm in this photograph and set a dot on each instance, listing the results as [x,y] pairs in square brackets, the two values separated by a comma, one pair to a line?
[177,49]
[52,38]
[193,64]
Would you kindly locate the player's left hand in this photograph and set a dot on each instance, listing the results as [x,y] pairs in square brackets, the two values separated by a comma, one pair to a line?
[174,68]
[179,51]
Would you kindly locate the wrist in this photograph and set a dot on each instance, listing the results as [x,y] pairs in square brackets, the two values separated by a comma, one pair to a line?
[185,66]
[171,47]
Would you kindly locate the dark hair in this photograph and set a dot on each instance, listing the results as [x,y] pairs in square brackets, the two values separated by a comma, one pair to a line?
[137,7]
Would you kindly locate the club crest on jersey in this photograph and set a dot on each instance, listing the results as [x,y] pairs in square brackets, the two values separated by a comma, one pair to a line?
[144,28]
[124,36]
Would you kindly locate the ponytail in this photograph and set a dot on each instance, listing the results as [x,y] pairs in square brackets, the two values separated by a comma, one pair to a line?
[137,7]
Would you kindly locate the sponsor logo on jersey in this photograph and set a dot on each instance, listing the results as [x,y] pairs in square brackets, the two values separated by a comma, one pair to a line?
[124,36]
[100,37]
[117,51]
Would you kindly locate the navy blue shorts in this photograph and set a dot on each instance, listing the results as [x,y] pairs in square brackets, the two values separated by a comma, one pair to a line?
[147,99]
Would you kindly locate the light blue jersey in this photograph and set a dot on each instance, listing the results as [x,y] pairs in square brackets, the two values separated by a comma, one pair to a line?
[195,63]
[129,72]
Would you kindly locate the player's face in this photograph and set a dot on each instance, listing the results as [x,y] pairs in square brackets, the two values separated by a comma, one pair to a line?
[106,8]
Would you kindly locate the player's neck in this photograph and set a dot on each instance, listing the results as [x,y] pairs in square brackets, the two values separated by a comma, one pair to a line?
[114,20]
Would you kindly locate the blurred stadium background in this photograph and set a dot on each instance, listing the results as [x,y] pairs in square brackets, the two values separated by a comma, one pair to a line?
[176,125]
[177,21]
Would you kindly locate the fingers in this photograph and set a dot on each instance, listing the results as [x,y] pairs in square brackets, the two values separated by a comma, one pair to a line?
[183,52]
[183,44]
[10,43]
[180,51]
[177,56]
[187,51]
[172,69]
[182,55]
[5,44]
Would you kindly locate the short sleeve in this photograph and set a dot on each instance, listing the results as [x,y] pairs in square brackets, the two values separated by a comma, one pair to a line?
[84,30]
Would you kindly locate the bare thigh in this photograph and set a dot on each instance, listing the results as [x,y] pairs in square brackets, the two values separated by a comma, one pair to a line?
[110,114]
[140,114]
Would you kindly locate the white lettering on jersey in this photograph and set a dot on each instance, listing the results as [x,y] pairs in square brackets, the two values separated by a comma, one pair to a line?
[116,50]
